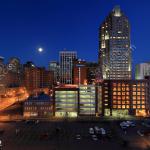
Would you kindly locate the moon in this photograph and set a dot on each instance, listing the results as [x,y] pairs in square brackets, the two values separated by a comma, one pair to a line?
[40,49]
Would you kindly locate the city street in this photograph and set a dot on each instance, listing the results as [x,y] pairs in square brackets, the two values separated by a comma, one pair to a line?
[62,136]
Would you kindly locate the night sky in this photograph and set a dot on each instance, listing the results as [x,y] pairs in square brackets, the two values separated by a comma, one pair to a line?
[26,25]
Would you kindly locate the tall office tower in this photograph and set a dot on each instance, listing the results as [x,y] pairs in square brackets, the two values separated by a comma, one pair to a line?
[114,46]
[54,67]
[79,72]
[142,70]
[66,66]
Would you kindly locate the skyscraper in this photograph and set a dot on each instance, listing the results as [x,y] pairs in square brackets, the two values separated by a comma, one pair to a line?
[66,66]
[114,46]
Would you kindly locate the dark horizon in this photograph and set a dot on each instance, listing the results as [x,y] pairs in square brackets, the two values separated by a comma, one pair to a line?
[55,25]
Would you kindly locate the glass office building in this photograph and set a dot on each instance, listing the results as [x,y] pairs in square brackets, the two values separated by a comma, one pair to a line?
[114,46]
[66,66]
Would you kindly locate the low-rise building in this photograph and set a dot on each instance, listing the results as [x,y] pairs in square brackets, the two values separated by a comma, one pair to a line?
[66,100]
[73,100]
[39,106]
[125,97]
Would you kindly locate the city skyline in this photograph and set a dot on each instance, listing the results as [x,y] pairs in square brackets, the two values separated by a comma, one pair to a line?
[77,23]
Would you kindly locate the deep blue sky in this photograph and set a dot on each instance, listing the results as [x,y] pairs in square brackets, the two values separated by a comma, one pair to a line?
[54,25]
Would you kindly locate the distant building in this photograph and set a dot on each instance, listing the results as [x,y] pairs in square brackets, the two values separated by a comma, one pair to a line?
[14,64]
[91,72]
[114,46]
[55,68]
[66,66]
[142,70]
[12,79]
[79,72]
[10,75]
[39,106]
[36,77]
[1,60]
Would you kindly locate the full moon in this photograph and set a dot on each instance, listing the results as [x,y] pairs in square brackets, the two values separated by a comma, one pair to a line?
[40,49]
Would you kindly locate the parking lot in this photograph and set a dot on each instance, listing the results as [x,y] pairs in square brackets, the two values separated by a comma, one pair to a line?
[67,135]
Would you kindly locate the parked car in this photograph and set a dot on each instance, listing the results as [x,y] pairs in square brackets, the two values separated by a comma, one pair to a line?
[124,124]
[103,132]
[78,137]
[94,137]
[91,130]
[131,123]
[97,130]
[37,122]
[1,146]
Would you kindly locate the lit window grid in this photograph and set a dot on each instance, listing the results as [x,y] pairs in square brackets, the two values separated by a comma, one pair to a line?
[121,96]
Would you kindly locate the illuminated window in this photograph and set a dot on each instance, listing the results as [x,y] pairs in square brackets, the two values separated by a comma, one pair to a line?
[134,93]
[119,93]
[138,97]
[114,97]
[138,106]
[123,93]
[123,102]
[123,106]
[114,93]
[138,102]
[119,102]
[114,102]
[114,106]
[119,98]
[114,89]
[123,97]
[138,84]
[134,102]
[134,89]
[134,97]
[138,93]
[119,106]
[134,106]
[123,89]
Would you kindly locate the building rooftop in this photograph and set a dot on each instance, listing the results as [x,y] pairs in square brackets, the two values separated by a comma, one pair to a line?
[40,97]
